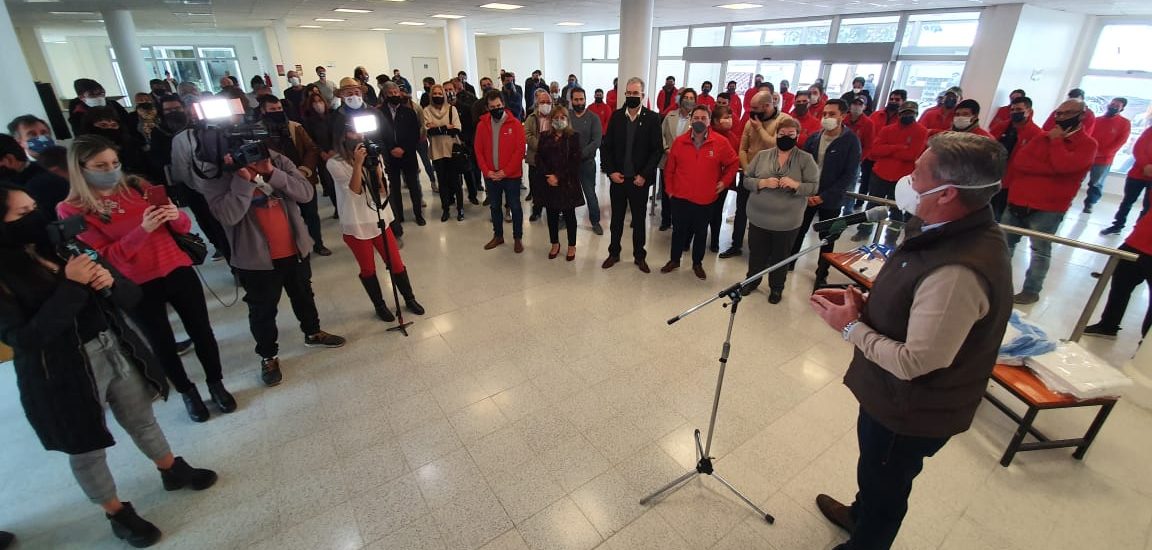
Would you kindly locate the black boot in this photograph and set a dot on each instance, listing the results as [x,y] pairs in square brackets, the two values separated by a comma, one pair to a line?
[372,287]
[405,287]
[133,529]
[181,475]
[195,405]
[224,400]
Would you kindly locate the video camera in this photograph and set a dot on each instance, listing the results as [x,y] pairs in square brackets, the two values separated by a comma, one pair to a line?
[365,125]
[62,234]
[219,135]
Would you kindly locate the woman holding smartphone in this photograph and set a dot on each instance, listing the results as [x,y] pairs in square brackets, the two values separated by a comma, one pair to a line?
[136,238]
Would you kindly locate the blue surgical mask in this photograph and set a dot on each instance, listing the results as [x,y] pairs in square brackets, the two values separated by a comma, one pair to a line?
[39,143]
[101,180]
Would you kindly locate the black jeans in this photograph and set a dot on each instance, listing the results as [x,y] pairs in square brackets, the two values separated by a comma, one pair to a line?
[535,184]
[627,197]
[180,288]
[716,221]
[569,224]
[449,182]
[665,204]
[879,187]
[262,294]
[689,223]
[207,222]
[310,211]
[765,248]
[1125,279]
[740,221]
[1132,189]
[811,213]
[411,180]
[888,464]
[999,203]
[472,176]
[865,179]
[326,183]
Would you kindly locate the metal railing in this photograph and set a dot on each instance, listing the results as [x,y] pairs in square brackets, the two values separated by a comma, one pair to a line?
[1114,257]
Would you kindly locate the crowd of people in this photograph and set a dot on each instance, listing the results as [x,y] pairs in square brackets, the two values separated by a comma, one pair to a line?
[789,158]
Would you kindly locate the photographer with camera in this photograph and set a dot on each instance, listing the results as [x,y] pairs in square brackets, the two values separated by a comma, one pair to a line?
[360,223]
[131,224]
[257,202]
[189,174]
[74,352]
[291,140]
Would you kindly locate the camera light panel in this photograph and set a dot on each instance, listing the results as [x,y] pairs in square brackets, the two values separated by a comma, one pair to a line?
[365,124]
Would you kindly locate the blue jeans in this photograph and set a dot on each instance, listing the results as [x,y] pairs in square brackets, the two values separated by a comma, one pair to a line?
[588,184]
[1132,189]
[1036,220]
[1096,178]
[499,191]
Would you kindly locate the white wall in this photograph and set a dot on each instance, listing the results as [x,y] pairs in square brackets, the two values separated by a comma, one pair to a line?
[403,46]
[340,52]
[521,55]
[487,58]
[562,56]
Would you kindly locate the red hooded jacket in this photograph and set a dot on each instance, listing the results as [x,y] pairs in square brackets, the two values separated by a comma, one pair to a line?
[512,146]
[604,112]
[1048,172]
[896,149]
[1142,156]
[692,174]
[865,130]
[1110,133]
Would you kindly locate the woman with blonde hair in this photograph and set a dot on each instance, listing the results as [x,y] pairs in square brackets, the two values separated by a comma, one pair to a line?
[558,158]
[135,236]
[443,124]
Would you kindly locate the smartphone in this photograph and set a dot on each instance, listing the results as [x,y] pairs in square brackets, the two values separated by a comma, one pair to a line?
[157,195]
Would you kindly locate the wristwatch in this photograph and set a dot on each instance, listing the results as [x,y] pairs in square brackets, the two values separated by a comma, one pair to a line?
[848,329]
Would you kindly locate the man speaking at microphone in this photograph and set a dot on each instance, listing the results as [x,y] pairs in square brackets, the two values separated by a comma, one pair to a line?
[927,335]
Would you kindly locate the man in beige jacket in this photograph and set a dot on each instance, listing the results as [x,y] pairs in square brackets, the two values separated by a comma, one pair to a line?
[759,134]
[674,125]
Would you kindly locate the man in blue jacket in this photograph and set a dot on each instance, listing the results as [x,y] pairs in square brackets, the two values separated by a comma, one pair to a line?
[837,151]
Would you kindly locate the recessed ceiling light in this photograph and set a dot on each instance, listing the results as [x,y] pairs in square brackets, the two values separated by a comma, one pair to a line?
[379,29]
[92,21]
[480,33]
[329,20]
[413,23]
[41,2]
[447,16]
[520,29]
[569,24]
[72,12]
[311,27]
[499,6]
[352,10]
[740,6]
[196,14]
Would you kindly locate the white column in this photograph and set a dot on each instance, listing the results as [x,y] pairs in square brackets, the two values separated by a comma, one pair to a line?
[121,29]
[461,49]
[635,44]
[17,87]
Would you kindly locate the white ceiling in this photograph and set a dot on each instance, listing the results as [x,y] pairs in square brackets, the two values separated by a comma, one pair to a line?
[540,16]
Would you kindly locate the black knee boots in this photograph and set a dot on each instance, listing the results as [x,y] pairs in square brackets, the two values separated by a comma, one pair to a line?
[405,287]
[372,287]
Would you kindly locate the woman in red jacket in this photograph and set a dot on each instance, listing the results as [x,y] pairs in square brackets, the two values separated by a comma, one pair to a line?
[558,158]
[724,124]
[136,237]
[1125,279]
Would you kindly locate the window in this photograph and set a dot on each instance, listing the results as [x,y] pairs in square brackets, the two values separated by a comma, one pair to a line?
[699,72]
[601,47]
[1122,48]
[666,68]
[782,34]
[924,80]
[940,33]
[868,29]
[1120,68]
[707,36]
[594,46]
[203,67]
[614,46]
[673,42]
[598,75]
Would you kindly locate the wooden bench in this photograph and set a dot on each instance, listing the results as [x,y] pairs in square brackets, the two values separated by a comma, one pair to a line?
[1023,385]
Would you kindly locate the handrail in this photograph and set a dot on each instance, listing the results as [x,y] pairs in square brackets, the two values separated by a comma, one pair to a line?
[1114,256]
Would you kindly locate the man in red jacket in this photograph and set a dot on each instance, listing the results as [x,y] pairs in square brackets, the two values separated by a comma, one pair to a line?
[1111,133]
[966,119]
[1004,114]
[1125,279]
[1013,136]
[894,151]
[941,118]
[1048,171]
[499,146]
[668,99]
[861,125]
[602,110]
[700,166]
[1139,179]
[611,97]
[804,111]
[754,89]
[734,102]
[787,98]
[1088,121]
[887,116]
[705,98]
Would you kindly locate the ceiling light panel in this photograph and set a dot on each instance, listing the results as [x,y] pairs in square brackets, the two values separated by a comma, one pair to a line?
[740,6]
[447,16]
[351,10]
[499,6]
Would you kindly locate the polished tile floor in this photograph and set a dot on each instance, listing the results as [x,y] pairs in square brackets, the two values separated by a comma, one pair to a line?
[538,401]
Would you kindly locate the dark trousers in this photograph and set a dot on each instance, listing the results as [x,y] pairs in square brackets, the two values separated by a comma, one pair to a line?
[811,213]
[767,248]
[207,222]
[327,184]
[449,184]
[878,187]
[262,294]
[499,192]
[535,184]
[888,464]
[411,180]
[689,223]
[1125,279]
[472,178]
[1132,190]
[865,179]
[665,204]
[716,221]
[999,203]
[740,221]
[181,289]
[628,197]
[569,224]
[310,211]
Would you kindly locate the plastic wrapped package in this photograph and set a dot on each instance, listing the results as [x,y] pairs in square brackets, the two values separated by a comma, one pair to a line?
[1022,340]
[1075,371]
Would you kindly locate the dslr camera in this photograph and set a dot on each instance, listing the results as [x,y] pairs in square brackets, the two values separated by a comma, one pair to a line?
[220,135]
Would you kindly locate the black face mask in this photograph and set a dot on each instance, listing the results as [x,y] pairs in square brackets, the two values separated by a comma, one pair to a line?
[176,120]
[785,143]
[112,135]
[1070,123]
[907,119]
[631,102]
[145,107]
[31,229]
[950,103]
[497,114]
[706,90]
[1019,117]
[437,100]
[599,99]
[1112,111]
[275,119]
[892,107]
[395,99]
[579,108]
[801,109]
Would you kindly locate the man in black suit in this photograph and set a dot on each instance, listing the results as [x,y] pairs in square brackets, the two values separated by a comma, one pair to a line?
[400,136]
[629,154]
[463,78]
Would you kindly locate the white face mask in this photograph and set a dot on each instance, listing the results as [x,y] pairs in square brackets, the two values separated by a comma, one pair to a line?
[961,122]
[544,108]
[908,200]
[335,103]
[95,101]
[354,102]
[294,81]
[830,124]
[560,124]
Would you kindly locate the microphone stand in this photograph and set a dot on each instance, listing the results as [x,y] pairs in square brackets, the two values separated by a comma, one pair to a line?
[372,179]
[704,459]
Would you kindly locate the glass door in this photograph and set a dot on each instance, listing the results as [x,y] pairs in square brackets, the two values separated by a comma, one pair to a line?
[840,76]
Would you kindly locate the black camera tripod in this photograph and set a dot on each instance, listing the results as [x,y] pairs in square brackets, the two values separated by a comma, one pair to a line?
[372,185]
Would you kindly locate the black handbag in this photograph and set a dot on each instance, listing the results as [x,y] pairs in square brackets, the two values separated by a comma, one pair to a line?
[461,156]
[192,244]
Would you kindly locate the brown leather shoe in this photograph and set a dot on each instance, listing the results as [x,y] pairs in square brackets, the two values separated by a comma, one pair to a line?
[643,265]
[609,262]
[518,246]
[839,514]
[670,267]
[496,241]
[698,269]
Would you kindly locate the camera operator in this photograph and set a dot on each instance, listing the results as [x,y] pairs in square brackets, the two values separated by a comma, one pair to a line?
[190,174]
[400,138]
[291,140]
[258,206]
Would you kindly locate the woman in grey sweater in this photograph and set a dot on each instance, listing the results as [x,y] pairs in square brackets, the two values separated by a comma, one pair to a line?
[780,179]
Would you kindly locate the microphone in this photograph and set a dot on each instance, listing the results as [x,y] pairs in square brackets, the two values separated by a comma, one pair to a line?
[837,225]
